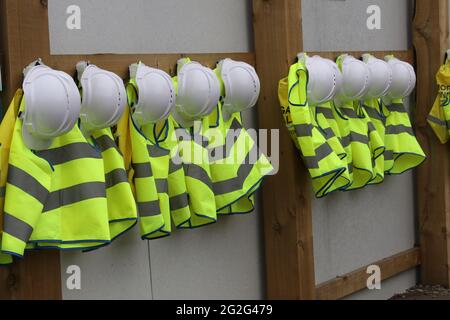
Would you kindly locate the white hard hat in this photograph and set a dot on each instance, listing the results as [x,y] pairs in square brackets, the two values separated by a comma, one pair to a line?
[103,97]
[52,104]
[355,78]
[403,78]
[156,94]
[198,92]
[380,77]
[242,86]
[324,79]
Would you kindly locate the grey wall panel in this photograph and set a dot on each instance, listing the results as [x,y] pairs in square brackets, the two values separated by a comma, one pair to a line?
[222,261]
[155,26]
[339,25]
[119,271]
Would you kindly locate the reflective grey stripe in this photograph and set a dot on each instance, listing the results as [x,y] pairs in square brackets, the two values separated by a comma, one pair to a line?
[69,152]
[162,186]
[115,177]
[372,113]
[304,130]
[2,192]
[350,113]
[236,183]
[328,132]
[350,168]
[388,155]
[233,135]
[312,162]
[179,202]
[437,121]
[27,183]
[173,167]
[327,113]
[371,127]
[197,172]
[16,227]
[157,152]
[396,107]
[148,209]
[142,170]
[105,143]
[399,129]
[354,137]
[71,195]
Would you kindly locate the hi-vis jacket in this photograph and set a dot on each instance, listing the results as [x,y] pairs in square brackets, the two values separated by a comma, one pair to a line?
[6,133]
[439,117]
[237,166]
[324,165]
[56,197]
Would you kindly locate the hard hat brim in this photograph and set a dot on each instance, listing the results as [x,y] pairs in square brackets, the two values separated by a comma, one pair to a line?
[33,142]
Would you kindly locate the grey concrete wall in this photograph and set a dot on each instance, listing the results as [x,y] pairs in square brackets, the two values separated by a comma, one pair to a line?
[360,227]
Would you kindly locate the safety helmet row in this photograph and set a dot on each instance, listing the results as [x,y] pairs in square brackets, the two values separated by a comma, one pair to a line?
[353,79]
[54,104]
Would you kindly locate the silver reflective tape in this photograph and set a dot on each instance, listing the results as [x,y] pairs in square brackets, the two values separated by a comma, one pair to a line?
[399,129]
[142,170]
[2,192]
[396,107]
[149,208]
[179,202]
[162,186]
[223,152]
[312,162]
[196,172]
[327,113]
[388,155]
[303,130]
[105,143]
[71,195]
[328,132]
[350,168]
[354,137]
[27,183]
[173,167]
[437,121]
[115,177]
[70,152]
[236,183]
[157,152]
[373,114]
[16,227]
[371,127]
[350,113]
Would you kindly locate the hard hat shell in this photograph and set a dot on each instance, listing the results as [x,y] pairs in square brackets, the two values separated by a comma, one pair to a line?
[242,86]
[403,78]
[103,98]
[324,79]
[198,91]
[52,106]
[380,77]
[355,78]
[156,95]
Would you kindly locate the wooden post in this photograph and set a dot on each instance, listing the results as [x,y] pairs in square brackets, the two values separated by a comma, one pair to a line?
[286,196]
[430,37]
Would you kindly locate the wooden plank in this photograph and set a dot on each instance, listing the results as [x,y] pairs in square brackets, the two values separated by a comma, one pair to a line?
[286,196]
[345,285]
[430,38]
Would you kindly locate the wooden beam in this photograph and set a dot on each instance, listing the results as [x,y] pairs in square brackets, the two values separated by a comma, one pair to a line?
[345,285]
[430,38]
[286,196]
